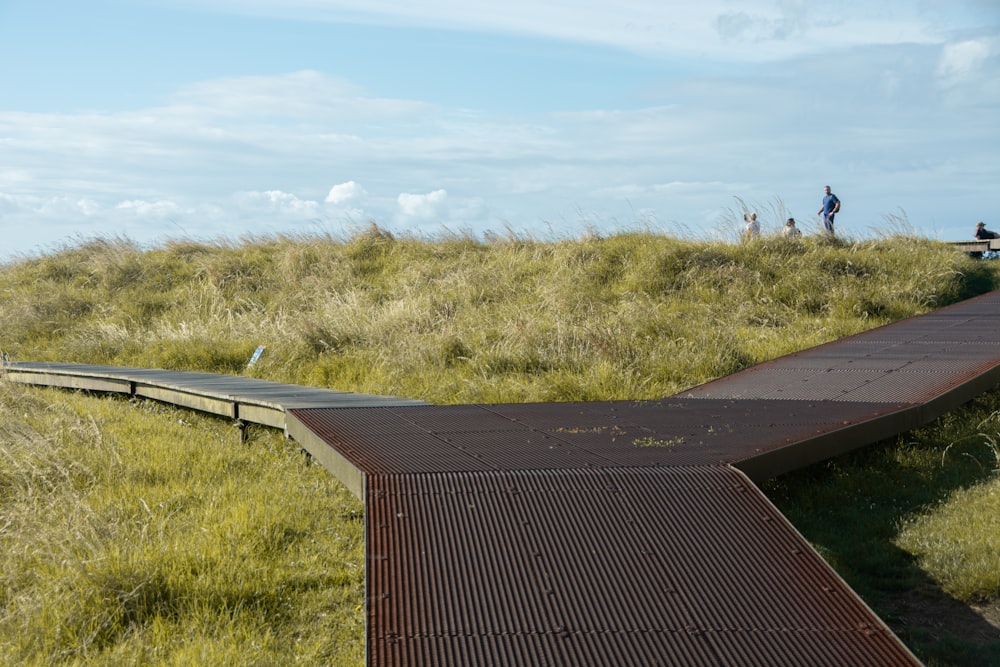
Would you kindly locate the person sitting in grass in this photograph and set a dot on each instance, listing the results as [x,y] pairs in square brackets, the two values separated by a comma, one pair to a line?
[791,231]
[752,227]
[984,234]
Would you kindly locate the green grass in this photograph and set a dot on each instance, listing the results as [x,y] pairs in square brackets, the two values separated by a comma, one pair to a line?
[128,537]
[629,316]
[142,534]
[915,515]
[959,541]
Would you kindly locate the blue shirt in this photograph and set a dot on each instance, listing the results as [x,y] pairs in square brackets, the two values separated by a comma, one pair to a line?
[829,202]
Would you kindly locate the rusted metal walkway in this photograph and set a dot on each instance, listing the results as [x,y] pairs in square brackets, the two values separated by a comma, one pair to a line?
[622,533]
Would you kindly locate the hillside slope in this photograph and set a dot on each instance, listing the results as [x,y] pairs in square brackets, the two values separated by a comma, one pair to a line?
[144,533]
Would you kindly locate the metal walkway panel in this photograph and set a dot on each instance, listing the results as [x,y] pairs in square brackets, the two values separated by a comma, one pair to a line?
[611,567]
[914,385]
[574,532]
[668,433]
[915,360]
[221,388]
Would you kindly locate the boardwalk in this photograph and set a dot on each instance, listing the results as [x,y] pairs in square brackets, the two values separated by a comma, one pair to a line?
[620,532]
[239,398]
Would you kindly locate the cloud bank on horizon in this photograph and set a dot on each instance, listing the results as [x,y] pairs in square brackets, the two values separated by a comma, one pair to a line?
[206,119]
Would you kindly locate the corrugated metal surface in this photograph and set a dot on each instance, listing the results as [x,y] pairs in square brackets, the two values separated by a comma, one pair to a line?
[911,386]
[913,361]
[612,567]
[649,554]
[616,533]
[675,432]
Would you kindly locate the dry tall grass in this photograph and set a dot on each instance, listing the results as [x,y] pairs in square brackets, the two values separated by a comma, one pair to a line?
[147,535]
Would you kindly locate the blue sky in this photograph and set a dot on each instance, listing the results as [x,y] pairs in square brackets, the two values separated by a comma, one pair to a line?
[156,119]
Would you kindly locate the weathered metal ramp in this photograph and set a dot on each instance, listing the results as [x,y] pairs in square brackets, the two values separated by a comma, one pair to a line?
[621,533]
[240,398]
[628,532]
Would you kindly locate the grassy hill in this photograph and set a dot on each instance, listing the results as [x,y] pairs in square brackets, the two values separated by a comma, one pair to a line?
[147,534]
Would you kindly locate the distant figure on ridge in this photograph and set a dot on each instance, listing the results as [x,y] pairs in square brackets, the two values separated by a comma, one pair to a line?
[752,226]
[831,206]
[791,231]
[984,234]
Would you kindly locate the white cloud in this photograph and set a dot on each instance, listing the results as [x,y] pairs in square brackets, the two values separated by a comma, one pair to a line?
[776,28]
[8,203]
[682,142]
[746,27]
[345,192]
[71,206]
[965,60]
[303,95]
[420,207]
[692,188]
[143,208]
[276,201]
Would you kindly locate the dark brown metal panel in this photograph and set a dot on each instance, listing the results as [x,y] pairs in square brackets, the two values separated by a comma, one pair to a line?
[378,441]
[612,567]
[679,432]
[672,432]
[914,360]
[919,382]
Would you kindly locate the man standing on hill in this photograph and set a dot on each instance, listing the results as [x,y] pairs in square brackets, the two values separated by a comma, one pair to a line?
[831,205]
